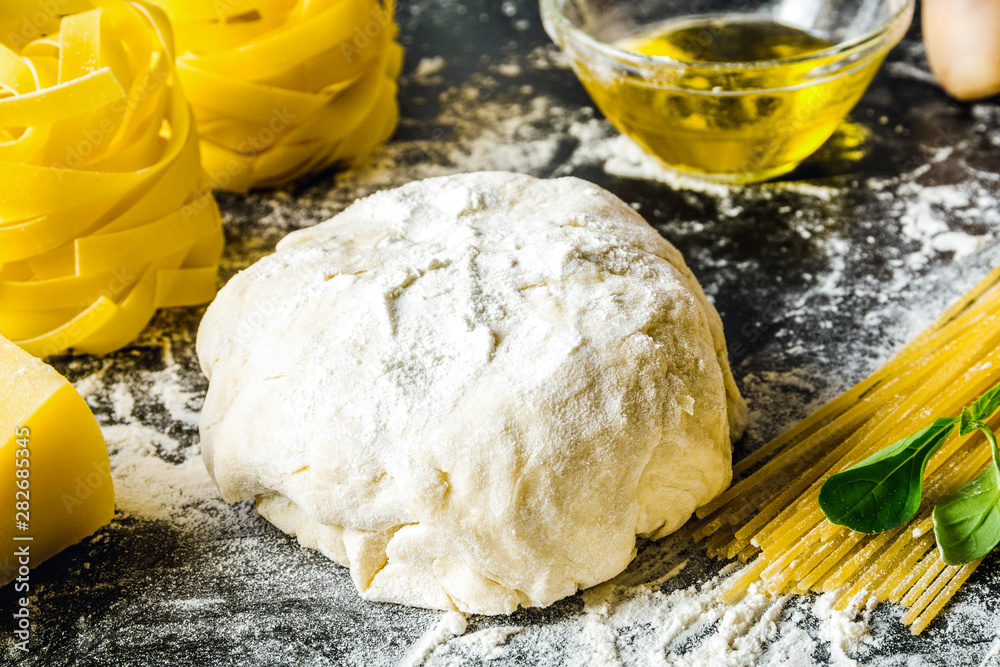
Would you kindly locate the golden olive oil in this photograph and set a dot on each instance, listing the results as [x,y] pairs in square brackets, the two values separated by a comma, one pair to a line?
[747,99]
[717,41]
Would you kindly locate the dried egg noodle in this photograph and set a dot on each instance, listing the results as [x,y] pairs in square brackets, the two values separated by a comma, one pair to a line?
[280,88]
[772,515]
[104,216]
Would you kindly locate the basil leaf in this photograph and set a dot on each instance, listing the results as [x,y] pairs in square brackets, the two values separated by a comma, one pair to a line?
[883,491]
[986,404]
[967,523]
[966,422]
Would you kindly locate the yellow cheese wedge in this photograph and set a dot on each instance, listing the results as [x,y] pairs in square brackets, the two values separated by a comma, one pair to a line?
[64,492]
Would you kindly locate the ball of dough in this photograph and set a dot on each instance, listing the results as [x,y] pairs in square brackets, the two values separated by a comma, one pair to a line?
[474,391]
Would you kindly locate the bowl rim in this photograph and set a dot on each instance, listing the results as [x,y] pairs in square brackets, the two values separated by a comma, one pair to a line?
[550,10]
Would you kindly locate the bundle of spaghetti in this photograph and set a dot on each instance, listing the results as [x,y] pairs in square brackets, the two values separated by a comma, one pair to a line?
[104,211]
[281,88]
[771,516]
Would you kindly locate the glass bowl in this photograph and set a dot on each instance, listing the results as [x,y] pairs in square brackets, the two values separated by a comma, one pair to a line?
[739,120]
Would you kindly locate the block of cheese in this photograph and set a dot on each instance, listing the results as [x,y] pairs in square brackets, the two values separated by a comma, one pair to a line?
[64,491]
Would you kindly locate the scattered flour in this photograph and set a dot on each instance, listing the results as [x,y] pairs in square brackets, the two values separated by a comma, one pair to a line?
[487,643]
[428,67]
[452,624]
[843,629]
[992,654]
[508,69]
[122,402]
[925,220]
[91,384]
[182,405]
[481,645]
[149,487]
[907,70]
[644,617]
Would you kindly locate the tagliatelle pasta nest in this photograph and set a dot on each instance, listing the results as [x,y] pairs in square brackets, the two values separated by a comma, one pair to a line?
[104,212]
[281,88]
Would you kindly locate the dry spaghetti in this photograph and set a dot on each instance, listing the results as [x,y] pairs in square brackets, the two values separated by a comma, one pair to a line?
[104,214]
[281,88]
[771,517]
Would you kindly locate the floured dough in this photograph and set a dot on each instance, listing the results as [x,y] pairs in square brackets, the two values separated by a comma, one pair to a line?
[474,390]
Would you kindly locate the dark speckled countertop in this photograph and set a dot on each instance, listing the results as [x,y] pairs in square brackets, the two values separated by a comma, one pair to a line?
[818,278]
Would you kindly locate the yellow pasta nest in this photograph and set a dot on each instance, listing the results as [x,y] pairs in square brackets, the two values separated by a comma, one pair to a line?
[281,88]
[104,214]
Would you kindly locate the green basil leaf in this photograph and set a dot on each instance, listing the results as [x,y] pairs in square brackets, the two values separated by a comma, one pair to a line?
[966,422]
[986,404]
[883,491]
[967,523]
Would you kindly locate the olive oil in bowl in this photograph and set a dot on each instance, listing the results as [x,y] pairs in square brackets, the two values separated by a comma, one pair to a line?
[719,41]
[730,100]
